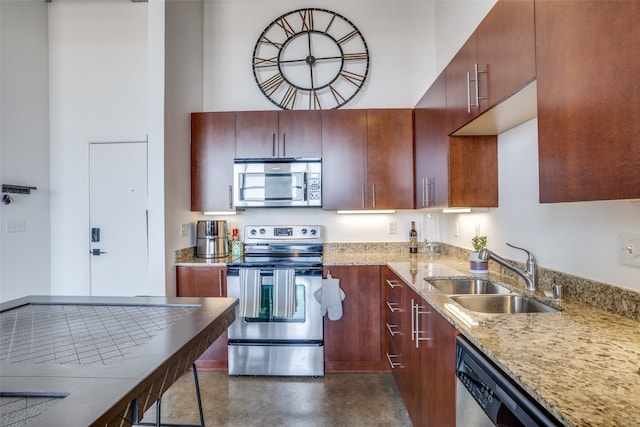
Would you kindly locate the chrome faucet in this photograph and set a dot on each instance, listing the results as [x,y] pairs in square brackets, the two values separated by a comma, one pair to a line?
[530,276]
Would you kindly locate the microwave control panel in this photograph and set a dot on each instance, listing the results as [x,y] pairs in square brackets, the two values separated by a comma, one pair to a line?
[314,189]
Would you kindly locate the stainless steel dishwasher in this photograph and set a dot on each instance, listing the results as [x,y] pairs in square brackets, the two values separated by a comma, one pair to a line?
[487,397]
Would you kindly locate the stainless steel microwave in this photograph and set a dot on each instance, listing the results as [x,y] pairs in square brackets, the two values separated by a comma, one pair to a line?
[277,183]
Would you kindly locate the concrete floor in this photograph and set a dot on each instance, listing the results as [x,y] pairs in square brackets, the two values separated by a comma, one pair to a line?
[334,400]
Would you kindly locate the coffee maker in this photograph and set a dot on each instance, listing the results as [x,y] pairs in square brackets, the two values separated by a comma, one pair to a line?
[212,239]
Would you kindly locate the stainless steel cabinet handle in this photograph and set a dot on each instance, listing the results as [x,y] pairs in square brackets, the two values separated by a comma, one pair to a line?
[416,312]
[413,322]
[284,145]
[468,92]
[230,197]
[393,284]
[363,194]
[220,282]
[424,191]
[430,191]
[374,194]
[273,145]
[393,364]
[391,331]
[393,306]
[477,81]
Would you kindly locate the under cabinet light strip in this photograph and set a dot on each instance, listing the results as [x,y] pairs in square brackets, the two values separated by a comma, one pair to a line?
[384,211]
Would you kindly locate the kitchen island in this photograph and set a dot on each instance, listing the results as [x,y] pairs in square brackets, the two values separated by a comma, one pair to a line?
[582,363]
[100,361]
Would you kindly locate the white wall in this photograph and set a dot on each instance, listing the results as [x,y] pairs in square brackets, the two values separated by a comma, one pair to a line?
[400,36]
[24,147]
[183,94]
[98,80]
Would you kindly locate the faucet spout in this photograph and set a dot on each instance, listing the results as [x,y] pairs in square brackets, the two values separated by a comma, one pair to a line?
[530,275]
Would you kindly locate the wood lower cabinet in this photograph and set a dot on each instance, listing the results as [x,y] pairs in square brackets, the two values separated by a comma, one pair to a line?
[213,142]
[451,171]
[588,99]
[367,158]
[422,353]
[276,134]
[354,342]
[209,281]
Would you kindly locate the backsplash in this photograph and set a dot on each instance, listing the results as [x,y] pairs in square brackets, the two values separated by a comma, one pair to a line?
[611,298]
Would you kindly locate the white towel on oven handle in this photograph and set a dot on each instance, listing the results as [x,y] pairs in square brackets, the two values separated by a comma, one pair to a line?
[330,297]
[250,292]
[284,292]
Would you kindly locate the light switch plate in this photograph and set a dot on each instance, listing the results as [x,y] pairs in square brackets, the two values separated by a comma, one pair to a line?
[15,225]
[630,249]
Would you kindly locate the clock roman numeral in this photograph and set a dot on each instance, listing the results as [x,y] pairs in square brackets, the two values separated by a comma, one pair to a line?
[354,78]
[329,24]
[314,101]
[307,19]
[286,26]
[348,37]
[336,95]
[266,40]
[272,84]
[362,56]
[265,62]
[289,98]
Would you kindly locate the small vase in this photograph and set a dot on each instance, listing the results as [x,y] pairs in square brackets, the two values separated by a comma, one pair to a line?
[476,265]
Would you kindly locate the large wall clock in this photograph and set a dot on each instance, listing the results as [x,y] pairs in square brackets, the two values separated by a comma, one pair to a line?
[310,59]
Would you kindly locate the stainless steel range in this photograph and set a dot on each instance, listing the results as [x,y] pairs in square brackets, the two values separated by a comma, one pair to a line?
[281,268]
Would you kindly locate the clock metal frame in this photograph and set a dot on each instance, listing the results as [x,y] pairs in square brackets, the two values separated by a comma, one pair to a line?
[312,59]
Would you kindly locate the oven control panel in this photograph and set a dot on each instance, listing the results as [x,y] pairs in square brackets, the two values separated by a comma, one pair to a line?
[259,233]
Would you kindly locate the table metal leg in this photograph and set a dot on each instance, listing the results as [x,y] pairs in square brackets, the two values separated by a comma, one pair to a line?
[158,422]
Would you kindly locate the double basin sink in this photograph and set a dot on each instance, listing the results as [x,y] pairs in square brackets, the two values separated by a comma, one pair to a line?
[484,296]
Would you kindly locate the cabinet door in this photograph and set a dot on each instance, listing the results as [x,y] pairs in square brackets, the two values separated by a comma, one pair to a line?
[213,138]
[256,134]
[432,148]
[438,367]
[473,171]
[205,282]
[300,134]
[354,342]
[344,138]
[461,86]
[390,159]
[588,100]
[506,49]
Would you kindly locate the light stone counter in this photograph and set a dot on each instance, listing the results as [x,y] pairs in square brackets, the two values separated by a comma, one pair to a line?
[582,363]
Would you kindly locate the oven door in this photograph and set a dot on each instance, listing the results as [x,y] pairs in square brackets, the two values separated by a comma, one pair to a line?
[304,325]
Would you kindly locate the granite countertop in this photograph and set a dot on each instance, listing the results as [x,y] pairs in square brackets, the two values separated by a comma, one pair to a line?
[582,363]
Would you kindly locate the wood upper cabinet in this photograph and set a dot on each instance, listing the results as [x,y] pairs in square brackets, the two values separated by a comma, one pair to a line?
[344,165]
[367,159]
[497,60]
[267,134]
[209,281]
[451,171]
[506,49]
[354,342]
[213,139]
[588,100]
[390,159]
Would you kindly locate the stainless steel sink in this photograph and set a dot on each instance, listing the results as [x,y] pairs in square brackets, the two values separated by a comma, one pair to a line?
[509,304]
[470,285]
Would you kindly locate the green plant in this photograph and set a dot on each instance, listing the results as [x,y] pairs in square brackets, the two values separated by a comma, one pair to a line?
[479,242]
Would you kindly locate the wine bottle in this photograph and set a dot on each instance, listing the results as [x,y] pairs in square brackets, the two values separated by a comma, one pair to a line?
[413,239]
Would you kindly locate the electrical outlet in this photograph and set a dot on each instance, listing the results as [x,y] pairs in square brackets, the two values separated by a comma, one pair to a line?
[392,227]
[630,248]
[184,230]
[15,225]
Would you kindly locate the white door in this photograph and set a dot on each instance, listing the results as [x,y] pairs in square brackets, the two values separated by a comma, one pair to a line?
[118,219]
